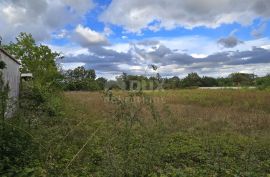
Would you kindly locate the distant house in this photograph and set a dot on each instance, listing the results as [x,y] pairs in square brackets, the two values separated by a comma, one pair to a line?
[11,76]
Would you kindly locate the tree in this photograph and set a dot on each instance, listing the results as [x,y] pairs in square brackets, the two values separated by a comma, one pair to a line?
[242,79]
[192,80]
[81,73]
[172,83]
[224,82]
[101,83]
[39,60]
[125,80]
[81,79]
[263,82]
[209,82]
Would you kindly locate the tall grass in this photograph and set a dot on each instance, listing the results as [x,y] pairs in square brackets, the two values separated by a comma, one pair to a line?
[172,133]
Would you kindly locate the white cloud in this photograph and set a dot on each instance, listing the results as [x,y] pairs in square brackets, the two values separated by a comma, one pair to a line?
[70,50]
[87,37]
[196,55]
[67,66]
[81,6]
[39,17]
[140,14]
[121,47]
[172,58]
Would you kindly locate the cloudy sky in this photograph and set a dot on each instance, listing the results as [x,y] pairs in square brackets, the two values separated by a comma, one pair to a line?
[210,37]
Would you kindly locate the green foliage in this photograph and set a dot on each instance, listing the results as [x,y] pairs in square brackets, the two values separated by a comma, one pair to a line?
[80,73]
[263,82]
[214,155]
[209,82]
[19,154]
[36,59]
[101,83]
[41,62]
[192,80]
[242,79]
[2,65]
[172,83]
[81,79]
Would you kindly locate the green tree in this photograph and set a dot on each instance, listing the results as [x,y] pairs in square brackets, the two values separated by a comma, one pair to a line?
[81,79]
[263,82]
[209,82]
[242,79]
[172,83]
[81,73]
[39,60]
[192,80]
[101,82]
[224,82]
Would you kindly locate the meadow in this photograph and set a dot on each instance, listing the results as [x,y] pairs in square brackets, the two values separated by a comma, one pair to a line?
[160,133]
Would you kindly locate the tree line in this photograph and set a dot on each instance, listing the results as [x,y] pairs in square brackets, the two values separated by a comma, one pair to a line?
[82,79]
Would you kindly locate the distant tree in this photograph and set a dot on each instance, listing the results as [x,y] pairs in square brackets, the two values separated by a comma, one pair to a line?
[101,83]
[209,82]
[242,79]
[263,82]
[224,82]
[192,80]
[172,83]
[81,78]
[81,73]
[125,80]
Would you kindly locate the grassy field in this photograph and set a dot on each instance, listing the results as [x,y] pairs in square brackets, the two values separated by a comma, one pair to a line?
[170,133]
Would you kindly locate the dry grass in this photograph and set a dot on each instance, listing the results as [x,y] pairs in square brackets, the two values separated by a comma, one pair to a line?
[242,111]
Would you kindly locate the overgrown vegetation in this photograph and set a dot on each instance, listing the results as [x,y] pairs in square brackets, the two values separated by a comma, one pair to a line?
[82,79]
[40,99]
[172,133]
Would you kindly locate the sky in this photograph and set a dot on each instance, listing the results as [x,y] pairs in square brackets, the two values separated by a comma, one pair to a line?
[210,37]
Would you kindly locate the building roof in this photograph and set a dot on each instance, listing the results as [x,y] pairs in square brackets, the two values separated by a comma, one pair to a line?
[10,56]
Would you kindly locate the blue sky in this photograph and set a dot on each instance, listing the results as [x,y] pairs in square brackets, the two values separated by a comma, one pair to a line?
[209,37]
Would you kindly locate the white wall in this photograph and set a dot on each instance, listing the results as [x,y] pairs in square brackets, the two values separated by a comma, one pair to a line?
[11,75]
